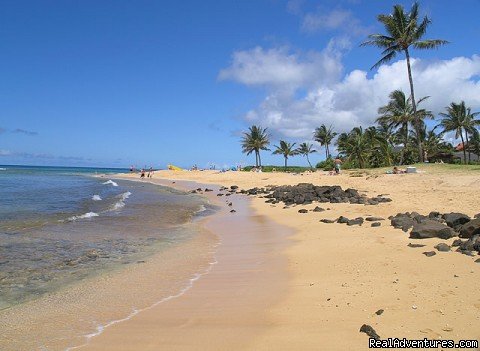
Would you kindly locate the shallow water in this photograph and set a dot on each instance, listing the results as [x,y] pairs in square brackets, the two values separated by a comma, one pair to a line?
[58,226]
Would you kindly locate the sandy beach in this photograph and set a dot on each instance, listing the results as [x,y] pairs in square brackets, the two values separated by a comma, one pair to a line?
[336,277]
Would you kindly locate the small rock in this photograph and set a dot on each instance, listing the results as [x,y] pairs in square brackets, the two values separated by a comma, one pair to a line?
[415,245]
[414,307]
[230,204]
[379,312]
[376,224]
[367,329]
[442,247]
[374,219]
[232,211]
[303,210]
[457,242]
[318,209]
[429,253]
[219,194]
[356,221]
[327,220]
[342,219]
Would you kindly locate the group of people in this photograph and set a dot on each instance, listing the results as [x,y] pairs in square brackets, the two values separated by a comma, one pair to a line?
[143,172]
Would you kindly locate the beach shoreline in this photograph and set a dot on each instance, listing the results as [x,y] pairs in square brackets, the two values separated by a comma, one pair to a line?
[340,276]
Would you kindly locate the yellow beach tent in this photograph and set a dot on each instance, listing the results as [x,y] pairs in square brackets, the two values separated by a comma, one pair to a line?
[174,168]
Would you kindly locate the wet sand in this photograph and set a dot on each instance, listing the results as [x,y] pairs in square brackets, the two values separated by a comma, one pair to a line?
[225,309]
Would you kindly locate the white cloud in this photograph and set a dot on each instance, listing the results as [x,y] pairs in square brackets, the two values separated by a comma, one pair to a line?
[337,19]
[344,101]
[279,68]
[5,152]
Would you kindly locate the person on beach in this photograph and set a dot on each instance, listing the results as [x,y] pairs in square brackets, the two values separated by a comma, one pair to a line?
[142,173]
[396,170]
[338,162]
[150,172]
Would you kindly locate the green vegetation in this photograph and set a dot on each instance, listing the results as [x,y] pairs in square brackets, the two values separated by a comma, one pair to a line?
[254,140]
[285,149]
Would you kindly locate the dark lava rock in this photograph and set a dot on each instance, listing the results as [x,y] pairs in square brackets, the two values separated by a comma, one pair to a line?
[434,215]
[318,209]
[228,194]
[230,204]
[376,224]
[327,220]
[431,229]
[472,244]
[477,260]
[232,211]
[303,210]
[369,331]
[402,221]
[442,247]
[356,221]
[234,187]
[193,192]
[470,229]
[207,190]
[457,242]
[429,253]
[219,194]
[200,189]
[455,219]
[415,245]
[342,219]
[374,219]
[477,215]
[379,312]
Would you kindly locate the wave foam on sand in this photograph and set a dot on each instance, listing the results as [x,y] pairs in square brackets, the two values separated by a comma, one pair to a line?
[110,182]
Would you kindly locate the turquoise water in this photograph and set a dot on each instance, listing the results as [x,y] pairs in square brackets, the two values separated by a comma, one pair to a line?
[60,225]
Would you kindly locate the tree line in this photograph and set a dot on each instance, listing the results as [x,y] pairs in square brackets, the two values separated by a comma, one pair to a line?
[400,135]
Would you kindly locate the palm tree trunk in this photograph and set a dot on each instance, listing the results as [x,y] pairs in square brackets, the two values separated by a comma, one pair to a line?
[309,163]
[256,158]
[464,152]
[259,159]
[416,123]
[468,145]
[328,151]
[286,163]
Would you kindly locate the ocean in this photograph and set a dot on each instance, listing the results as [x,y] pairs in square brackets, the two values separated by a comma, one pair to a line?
[61,225]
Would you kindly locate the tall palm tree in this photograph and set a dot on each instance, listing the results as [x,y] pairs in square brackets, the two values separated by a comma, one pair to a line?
[469,125]
[254,140]
[399,113]
[355,146]
[454,120]
[325,136]
[403,31]
[285,149]
[305,149]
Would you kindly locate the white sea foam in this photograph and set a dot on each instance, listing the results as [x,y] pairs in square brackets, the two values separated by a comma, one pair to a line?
[101,328]
[201,209]
[85,215]
[110,182]
[3,169]
[96,198]
[120,203]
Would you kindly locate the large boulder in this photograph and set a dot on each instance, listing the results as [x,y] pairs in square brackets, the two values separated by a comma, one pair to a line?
[431,229]
[470,229]
[472,244]
[455,219]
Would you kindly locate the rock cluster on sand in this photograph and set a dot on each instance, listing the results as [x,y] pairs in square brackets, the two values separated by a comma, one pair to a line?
[306,193]
[443,226]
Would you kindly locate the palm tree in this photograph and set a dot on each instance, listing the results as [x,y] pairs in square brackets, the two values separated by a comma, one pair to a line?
[403,31]
[470,124]
[324,136]
[454,120]
[355,146]
[399,113]
[285,149]
[305,149]
[254,140]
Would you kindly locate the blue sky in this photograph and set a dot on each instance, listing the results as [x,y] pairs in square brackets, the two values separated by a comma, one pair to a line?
[115,83]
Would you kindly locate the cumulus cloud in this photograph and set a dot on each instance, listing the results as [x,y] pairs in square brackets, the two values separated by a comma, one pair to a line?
[23,131]
[5,152]
[346,100]
[279,68]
